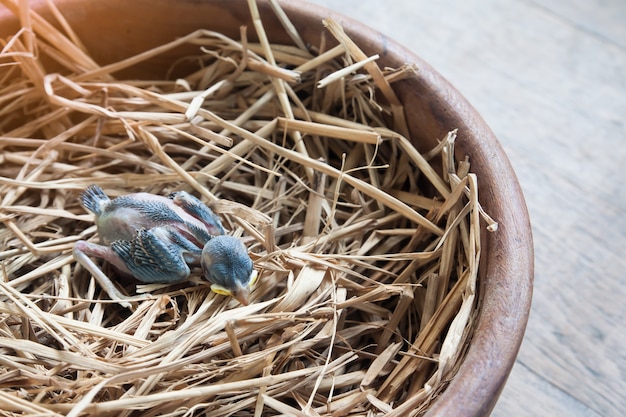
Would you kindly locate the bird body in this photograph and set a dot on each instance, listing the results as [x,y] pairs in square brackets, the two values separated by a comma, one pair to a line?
[156,238]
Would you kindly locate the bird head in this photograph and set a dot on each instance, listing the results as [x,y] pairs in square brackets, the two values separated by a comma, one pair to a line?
[228,267]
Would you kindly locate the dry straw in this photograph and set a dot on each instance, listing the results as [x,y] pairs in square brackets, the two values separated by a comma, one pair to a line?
[368,256]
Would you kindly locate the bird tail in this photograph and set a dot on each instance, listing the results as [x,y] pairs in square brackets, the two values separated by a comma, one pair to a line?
[93,198]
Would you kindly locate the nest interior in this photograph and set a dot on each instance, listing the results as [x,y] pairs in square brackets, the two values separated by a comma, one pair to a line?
[367,249]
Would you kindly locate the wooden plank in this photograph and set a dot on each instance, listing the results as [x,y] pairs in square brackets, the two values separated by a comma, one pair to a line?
[527,394]
[601,19]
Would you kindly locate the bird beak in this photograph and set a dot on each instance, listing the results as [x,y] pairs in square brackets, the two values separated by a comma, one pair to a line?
[241,295]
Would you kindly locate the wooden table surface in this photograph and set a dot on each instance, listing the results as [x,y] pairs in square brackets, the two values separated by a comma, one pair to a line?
[549,77]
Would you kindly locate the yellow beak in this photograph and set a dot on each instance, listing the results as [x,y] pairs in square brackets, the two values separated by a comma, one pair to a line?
[241,294]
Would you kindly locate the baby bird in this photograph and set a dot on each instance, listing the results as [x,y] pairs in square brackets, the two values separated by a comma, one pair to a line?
[156,239]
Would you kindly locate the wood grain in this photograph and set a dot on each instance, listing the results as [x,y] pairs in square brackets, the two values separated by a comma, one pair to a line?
[550,79]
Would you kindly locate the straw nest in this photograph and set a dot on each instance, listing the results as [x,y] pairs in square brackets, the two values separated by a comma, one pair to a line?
[367,255]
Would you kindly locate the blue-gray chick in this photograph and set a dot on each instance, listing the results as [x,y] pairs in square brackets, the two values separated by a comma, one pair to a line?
[156,238]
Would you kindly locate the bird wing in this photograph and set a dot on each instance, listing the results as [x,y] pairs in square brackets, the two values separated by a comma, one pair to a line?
[195,208]
[152,257]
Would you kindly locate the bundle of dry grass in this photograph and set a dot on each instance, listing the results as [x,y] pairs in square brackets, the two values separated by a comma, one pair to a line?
[367,255]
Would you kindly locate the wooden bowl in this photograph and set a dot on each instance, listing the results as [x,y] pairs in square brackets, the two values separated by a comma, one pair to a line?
[115,29]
